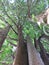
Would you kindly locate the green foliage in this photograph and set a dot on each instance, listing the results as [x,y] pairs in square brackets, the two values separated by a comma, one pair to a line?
[2,24]
[46,29]
[45,43]
[28,29]
[6,50]
[17,12]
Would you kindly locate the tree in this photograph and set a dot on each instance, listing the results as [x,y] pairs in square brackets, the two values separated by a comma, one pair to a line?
[18,14]
[34,56]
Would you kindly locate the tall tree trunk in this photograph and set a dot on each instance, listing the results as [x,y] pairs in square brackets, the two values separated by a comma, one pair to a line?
[21,52]
[3,34]
[29,5]
[34,56]
[43,53]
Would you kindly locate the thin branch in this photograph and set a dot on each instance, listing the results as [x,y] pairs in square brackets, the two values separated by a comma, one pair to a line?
[8,15]
[12,44]
[14,30]
[8,37]
[28,5]
[8,24]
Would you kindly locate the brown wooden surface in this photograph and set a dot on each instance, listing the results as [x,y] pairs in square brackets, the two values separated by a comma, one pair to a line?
[33,55]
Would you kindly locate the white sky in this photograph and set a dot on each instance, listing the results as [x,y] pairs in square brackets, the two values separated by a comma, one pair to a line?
[12,1]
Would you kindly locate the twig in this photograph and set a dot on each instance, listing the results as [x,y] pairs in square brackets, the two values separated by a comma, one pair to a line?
[12,44]
[8,37]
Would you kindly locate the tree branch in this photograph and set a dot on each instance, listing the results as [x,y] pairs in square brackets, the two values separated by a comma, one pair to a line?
[8,15]
[12,44]
[28,5]
[8,37]
[8,24]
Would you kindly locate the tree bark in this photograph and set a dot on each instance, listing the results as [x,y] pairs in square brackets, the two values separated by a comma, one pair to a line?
[36,43]
[29,5]
[21,52]
[33,55]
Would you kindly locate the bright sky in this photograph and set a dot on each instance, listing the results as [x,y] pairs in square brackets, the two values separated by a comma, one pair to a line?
[12,1]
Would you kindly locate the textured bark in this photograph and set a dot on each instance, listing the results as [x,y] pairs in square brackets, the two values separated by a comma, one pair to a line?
[3,34]
[43,53]
[21,52]
[28,5]
[33,55]
[36,43]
